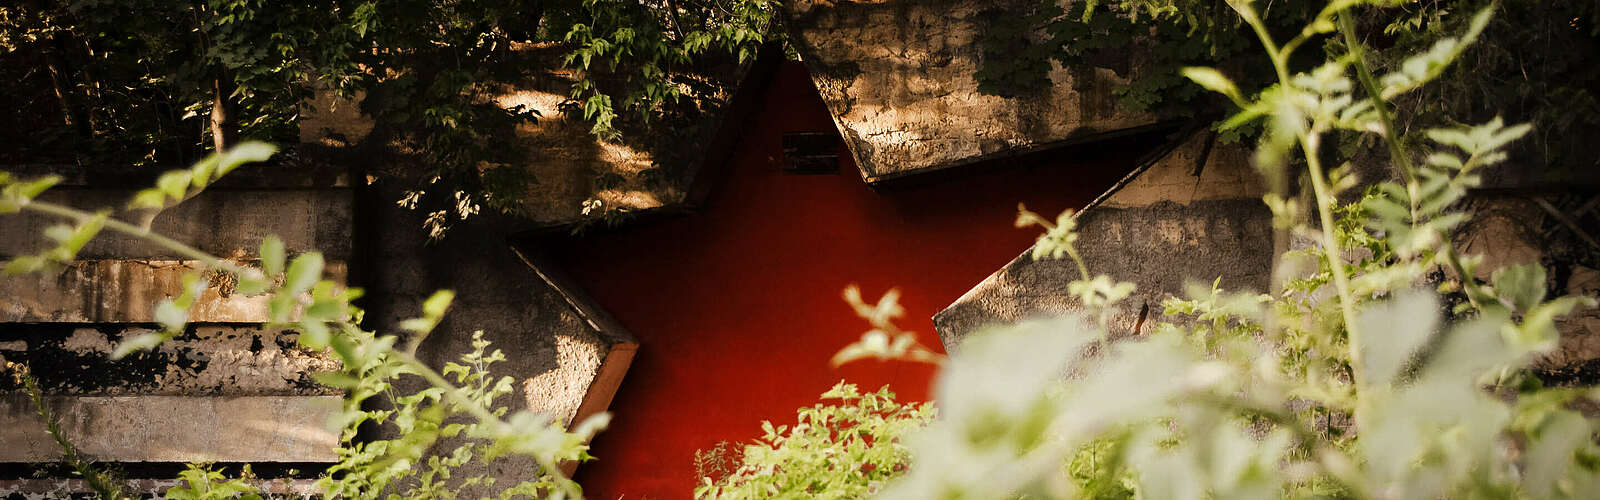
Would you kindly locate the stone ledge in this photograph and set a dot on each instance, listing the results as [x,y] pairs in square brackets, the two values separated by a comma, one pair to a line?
[174,428]
[898,78]
[1158,247]
[223,223]
[126,291]
[73,359]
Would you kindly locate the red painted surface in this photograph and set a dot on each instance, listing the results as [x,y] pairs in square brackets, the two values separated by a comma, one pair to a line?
[737,307]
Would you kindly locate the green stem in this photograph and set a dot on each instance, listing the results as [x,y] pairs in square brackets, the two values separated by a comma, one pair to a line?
[1278,62]
[1469,284]
[102,485]
[450,390]
[1083,269]
[1324,197]
[1358,59]
[135,231]
[1331,251]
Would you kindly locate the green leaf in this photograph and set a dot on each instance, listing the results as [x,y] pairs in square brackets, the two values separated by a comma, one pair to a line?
[86,232]
[418,325]
[1550,456]
[171,317]
[438,303]
[303,272]
[1520,287]
[59,232]
[141,342]
[327,310]
[314,334]
[32,189]
[1214,81]
[271,256]
[174,184]
[1538,331]
[245,152]
[202,172]
[148,198]
[251,286]
[1394,330]
[345,350]
[25,264]
[338,380]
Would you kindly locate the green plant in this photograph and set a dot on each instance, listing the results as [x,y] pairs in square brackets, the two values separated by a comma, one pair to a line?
[319,309]
[849,449]
[652,41]
[1355,381]
[204,482]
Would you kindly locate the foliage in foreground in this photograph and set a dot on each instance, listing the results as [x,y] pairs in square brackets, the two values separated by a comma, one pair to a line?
[1366,376]
[849,449]
[454,420]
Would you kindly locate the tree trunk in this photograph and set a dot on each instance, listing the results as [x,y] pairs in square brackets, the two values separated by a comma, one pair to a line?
[224,129]
[72,113]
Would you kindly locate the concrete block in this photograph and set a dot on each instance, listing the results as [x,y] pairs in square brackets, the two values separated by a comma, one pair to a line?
[174,428]
[126,291]
[74,359]
[1199,169]
[225,223]
[1160,248]
[898,78]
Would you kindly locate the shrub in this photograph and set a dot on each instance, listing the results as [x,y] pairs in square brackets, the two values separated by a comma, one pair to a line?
[843,450]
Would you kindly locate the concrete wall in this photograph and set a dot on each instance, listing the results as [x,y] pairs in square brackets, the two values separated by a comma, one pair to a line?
[228,389]
[563,361]
[898,77]
[1190,216]
[232,390]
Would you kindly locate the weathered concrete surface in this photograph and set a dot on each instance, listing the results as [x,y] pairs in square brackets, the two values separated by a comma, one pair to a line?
[74,359]
[1160,248]
[227,389]
[1505,231]
[222,222]
[1199,169]
[1193,214]
[555,353]
[175,428]
[898,76]
[127,291]
[1175,222]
